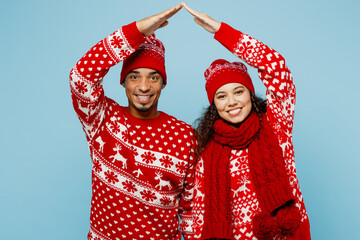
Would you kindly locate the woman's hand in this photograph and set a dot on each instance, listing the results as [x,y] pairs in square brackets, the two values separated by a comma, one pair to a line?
[149,25]
[209,24]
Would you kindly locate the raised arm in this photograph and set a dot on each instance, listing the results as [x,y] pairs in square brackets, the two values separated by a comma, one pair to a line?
[271,67]
[86,77]
[272,70]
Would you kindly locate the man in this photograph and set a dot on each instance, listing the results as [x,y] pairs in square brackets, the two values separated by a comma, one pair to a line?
[143,159]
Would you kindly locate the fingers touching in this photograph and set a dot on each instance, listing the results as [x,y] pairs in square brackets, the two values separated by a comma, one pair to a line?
[170,12]
[191,11]
[149,25]
[204,20]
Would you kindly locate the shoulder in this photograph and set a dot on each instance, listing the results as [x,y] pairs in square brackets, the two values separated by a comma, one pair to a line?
[112,107]
[173,121]
[179,127]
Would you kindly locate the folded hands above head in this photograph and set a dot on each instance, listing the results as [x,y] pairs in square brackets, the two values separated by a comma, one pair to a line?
[239,156]
[149,25]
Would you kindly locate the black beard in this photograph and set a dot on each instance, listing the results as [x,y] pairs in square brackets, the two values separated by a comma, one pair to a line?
[143,108]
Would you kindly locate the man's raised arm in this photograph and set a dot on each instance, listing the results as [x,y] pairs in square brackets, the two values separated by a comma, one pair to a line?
[86,77]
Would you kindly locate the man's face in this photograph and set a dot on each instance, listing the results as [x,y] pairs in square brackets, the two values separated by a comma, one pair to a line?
[143,88]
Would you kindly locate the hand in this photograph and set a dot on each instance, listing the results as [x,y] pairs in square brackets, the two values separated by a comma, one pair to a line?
[209,24]
[149,25]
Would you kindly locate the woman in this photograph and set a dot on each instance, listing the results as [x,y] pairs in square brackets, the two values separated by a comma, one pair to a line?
[246,184]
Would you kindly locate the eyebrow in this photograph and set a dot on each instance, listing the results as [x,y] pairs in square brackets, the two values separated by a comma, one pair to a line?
[133,71]
[150,73]
[238,87]
[221,92]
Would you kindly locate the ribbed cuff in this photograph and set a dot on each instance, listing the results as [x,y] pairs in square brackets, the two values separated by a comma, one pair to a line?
[217,230]
[276,198]
[133,35]
[227,36]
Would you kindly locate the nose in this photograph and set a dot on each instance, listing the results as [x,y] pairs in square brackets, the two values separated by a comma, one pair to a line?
[231,101]
[144,85]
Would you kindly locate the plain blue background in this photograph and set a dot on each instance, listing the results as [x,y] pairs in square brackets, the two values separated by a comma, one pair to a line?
[45,171]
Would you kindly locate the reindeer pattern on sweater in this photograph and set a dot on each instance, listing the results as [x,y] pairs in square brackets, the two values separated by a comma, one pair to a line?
[280,97]
[142,170]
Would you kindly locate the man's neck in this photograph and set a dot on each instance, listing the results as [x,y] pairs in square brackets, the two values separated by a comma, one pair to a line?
[150,114]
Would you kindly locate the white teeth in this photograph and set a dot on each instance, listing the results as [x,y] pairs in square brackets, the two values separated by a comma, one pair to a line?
[143,97]
[235,111]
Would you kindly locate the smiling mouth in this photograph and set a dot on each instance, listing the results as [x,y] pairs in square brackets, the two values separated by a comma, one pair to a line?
[234,112]
[143,98]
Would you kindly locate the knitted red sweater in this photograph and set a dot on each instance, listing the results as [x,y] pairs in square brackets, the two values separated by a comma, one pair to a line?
[280,96]
[143,170]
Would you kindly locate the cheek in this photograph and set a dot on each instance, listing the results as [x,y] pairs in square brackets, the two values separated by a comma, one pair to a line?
[128,85]
[245,99]
[248,106]
[128,90]
[157,86]
[219,105]
[249,103]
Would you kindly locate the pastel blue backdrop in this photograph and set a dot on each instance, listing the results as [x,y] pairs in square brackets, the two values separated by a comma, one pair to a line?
[45,167]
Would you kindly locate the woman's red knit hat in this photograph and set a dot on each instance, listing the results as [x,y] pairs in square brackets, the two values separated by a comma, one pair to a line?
[222,72]
[150,54]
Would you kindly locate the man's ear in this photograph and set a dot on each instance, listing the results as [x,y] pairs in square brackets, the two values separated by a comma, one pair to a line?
[123,83]
[162,84]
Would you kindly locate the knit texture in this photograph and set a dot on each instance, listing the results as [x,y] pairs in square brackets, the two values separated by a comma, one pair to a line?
[267,170]
[222,72]
[150,54]
[217,218]
[280,96]
[142,170]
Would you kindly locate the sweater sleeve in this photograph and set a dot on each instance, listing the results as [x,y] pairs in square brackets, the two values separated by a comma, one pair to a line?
[186,197]
[272,71]
[86,77]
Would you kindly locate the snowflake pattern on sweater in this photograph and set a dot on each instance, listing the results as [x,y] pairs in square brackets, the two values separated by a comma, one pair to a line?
[280,96]
[142,170]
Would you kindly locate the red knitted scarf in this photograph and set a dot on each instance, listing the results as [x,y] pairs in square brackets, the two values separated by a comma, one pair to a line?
[267,171]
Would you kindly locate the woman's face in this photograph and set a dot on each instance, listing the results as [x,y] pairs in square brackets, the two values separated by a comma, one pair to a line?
[233,103]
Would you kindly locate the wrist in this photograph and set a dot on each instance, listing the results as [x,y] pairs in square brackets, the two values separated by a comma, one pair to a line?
[140,27]
[133,35]
[216,26]
[227,36]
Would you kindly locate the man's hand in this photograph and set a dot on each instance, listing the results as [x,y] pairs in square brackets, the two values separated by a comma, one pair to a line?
[209,24]
[149,25]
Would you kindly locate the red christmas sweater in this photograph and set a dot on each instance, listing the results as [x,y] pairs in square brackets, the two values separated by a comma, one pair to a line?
[280,97]
[142,170]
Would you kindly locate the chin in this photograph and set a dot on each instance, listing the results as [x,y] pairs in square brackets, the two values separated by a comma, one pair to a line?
[142,108]
[235,122]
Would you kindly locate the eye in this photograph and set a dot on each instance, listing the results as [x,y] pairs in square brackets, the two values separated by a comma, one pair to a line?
[133,77]
[238,92]
[155,77]
[220,96]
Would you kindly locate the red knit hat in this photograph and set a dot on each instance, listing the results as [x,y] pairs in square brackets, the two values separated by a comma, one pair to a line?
[222,72]
[150,54]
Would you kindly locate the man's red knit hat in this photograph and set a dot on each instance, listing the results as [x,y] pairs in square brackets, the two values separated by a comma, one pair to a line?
[222,72]
[150,54]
